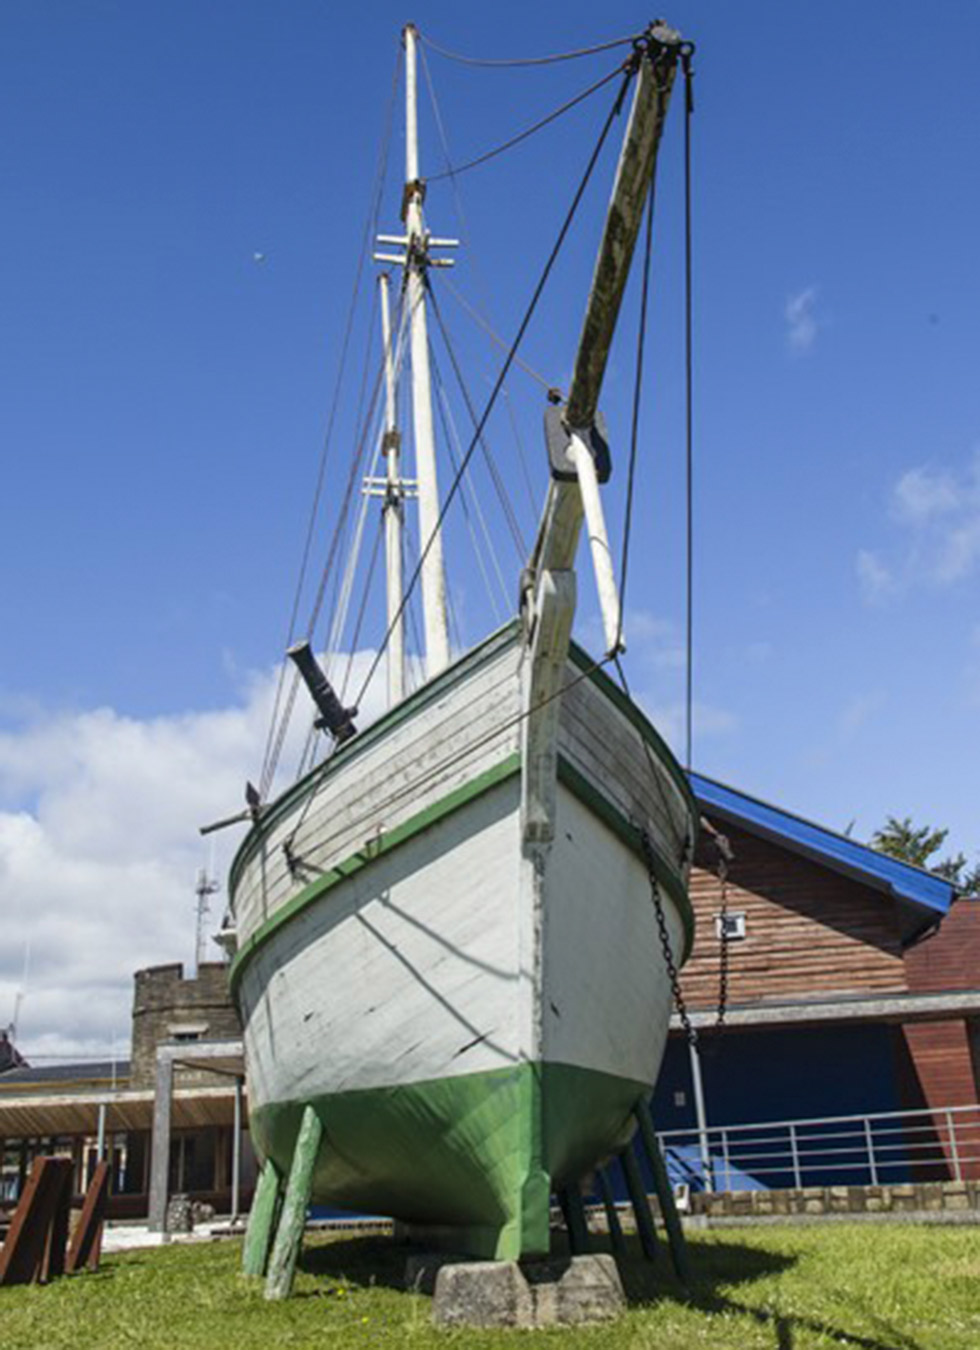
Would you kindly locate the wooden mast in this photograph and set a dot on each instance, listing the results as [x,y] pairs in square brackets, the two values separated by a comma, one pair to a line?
[394,494]
[433,577]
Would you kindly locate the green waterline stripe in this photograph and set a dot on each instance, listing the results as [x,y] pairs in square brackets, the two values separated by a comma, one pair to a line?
[576,783]
[386,843]
[624,829]
[344,755]
[638,719]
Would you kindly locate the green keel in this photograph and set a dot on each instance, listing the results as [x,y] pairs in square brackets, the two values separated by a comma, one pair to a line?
[471,1161]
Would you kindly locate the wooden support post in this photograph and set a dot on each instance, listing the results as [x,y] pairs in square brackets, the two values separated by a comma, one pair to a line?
[665,1194]
[612,1218]
[40,1221]
[573,1212]
[86,1244]
[57,1242]
[641,1206]
[292,1220]
[262,1220]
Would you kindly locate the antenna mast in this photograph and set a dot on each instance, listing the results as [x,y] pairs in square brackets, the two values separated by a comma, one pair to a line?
[206,887]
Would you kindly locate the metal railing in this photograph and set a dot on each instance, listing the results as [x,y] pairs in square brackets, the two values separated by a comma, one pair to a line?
[886,1147]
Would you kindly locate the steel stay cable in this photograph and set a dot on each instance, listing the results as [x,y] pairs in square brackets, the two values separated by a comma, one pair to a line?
[398,341]
[452,444]
[502,496]
[464,232]
[529,60]
[688,70]
[722,844]
[455,170]
[634,431]
[265,774]
[372,565]
[502,375]
[495,337]
[338,535]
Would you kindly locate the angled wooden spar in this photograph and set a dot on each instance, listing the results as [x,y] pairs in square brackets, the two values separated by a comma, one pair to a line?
[577,448]
[574,489]
[634,175]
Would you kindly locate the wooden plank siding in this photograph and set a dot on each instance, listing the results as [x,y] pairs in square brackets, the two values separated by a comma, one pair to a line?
[810,932]
[945,1054]
[950,957]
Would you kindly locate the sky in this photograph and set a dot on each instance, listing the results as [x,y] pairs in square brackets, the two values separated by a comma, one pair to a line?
[185,192]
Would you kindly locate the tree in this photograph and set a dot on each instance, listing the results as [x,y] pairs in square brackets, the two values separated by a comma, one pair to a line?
[916,844]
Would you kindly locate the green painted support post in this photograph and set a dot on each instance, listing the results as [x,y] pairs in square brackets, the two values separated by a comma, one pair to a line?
[573,1211]
[661,1185]
[612,1218]
[641,1206]
[262,1220]
[292,1220]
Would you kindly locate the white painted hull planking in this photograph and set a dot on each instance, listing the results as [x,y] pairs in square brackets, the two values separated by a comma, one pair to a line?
[417,941]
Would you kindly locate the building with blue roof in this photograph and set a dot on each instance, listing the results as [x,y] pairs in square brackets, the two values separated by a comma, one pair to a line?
[850,980]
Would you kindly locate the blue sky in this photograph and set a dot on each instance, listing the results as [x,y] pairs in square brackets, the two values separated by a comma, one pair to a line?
[165,398]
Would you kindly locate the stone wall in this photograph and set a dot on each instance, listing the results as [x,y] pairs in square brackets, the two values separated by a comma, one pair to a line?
[919,1197]
[168,1007]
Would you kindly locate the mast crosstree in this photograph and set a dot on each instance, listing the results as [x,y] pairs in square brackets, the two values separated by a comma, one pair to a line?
[415,262]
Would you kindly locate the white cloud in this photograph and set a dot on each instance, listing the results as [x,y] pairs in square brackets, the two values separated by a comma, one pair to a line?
[801,321]
[922,495]
[937,511]
[874,577]
[99,848]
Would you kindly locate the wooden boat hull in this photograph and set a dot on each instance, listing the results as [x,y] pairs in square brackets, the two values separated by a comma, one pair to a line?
[472,1019]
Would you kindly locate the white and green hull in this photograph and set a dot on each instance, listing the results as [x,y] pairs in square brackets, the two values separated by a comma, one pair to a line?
[472,1013]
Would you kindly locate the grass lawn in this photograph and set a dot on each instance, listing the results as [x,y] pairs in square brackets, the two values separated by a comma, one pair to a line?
[877,1288]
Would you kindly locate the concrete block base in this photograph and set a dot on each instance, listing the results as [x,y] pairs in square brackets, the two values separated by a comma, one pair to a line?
[505,1294]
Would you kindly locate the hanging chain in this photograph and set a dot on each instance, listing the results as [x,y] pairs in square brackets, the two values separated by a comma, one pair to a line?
[675,980]
[725,856]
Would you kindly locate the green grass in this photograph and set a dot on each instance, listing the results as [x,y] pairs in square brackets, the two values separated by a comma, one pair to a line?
[871,1287]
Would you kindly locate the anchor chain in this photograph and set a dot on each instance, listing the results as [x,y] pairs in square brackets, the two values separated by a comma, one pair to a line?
[725,856]
[672,973]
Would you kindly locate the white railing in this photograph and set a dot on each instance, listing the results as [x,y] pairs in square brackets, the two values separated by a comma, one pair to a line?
[889,1146]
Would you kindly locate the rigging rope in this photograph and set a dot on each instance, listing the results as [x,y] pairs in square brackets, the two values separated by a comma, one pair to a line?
[478,318]
[455,170]
[529,60]
[529,313]
[338,535]
[635,429]
[355,637]
[451,437]
[478,273]
[502,495]
[273,744]
[688,69]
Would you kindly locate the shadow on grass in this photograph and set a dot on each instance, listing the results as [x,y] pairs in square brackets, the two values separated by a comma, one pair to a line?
[365,1261]
[718,1266]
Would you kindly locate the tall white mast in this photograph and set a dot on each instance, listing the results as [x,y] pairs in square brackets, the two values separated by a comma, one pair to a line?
[392,514]
[433,575]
